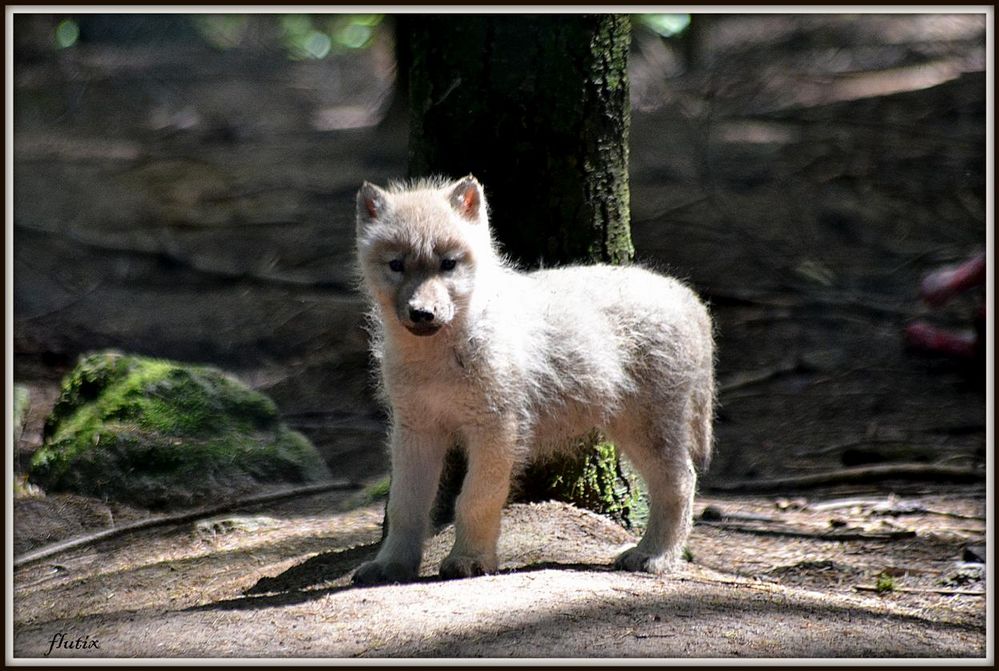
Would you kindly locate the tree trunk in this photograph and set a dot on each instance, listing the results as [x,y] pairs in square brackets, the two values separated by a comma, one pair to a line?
[536,107]
[398,110]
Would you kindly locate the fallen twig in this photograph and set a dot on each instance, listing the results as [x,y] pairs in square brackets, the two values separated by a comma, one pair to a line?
[738,582]
[914,590]
[824,535]
[713,513]
[839,504]
[748,378]
[957,516]
[889,506]
[189,263]
[811,300]
[859,442]
[177,518]
[857,474]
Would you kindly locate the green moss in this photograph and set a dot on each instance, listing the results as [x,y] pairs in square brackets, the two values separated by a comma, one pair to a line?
[595,481]
[158,434]
[379,490]
[885,583]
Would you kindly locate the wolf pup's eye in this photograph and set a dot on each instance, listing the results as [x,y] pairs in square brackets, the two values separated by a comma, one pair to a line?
[448,264]
[395,265]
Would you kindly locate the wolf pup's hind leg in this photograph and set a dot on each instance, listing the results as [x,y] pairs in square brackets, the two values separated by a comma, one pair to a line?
[663,461]
[670,507]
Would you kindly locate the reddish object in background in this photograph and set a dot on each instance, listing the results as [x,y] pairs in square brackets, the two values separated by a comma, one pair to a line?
[937,288]
[940,286]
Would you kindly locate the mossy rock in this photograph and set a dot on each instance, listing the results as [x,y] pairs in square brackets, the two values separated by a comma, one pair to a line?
[160,434]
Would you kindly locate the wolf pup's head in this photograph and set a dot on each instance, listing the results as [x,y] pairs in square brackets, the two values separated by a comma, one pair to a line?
[419,246]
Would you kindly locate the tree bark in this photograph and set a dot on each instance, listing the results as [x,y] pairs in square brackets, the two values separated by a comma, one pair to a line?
[536,107]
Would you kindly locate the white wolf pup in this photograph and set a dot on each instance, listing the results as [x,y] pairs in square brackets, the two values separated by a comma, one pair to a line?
[506,363]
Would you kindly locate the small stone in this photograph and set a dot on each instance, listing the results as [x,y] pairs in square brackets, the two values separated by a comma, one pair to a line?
[227,525]
[974,553]
[712,514]
[798,503]
[964,573]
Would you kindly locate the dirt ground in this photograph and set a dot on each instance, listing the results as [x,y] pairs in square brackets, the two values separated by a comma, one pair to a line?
[275,583]
[803,173]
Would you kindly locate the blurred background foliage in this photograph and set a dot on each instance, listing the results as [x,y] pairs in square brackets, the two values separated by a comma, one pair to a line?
[301,36]
[802,171]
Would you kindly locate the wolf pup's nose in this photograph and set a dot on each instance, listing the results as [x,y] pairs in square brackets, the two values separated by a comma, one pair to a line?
[420,316]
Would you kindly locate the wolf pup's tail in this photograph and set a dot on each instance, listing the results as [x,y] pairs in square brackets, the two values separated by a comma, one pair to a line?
[702,420]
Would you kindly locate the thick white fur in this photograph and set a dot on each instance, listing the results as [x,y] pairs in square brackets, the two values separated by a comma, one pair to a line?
[523,362]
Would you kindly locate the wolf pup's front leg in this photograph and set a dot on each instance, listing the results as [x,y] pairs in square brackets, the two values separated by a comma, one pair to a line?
[417,459]
[480,504]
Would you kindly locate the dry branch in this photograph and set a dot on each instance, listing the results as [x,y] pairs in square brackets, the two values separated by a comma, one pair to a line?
[855,475]
[179,260]
[817,535]
[177,518]
[889,506]
[913,590]
[749,378]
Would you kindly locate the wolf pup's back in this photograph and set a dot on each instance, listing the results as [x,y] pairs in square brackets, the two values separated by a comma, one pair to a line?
[649,333]
[506,363]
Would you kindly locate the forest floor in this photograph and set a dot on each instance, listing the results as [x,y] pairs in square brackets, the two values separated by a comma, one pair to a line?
[276,583]
[804,176]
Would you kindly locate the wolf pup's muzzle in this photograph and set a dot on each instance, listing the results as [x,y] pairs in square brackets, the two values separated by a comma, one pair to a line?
[422,322]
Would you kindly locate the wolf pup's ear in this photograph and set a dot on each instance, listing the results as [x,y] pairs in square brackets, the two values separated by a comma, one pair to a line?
[467,198]
[371,202]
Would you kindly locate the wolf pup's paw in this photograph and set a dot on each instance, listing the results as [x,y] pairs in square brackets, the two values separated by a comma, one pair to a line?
[376,573]
[636,560]
[465,567]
